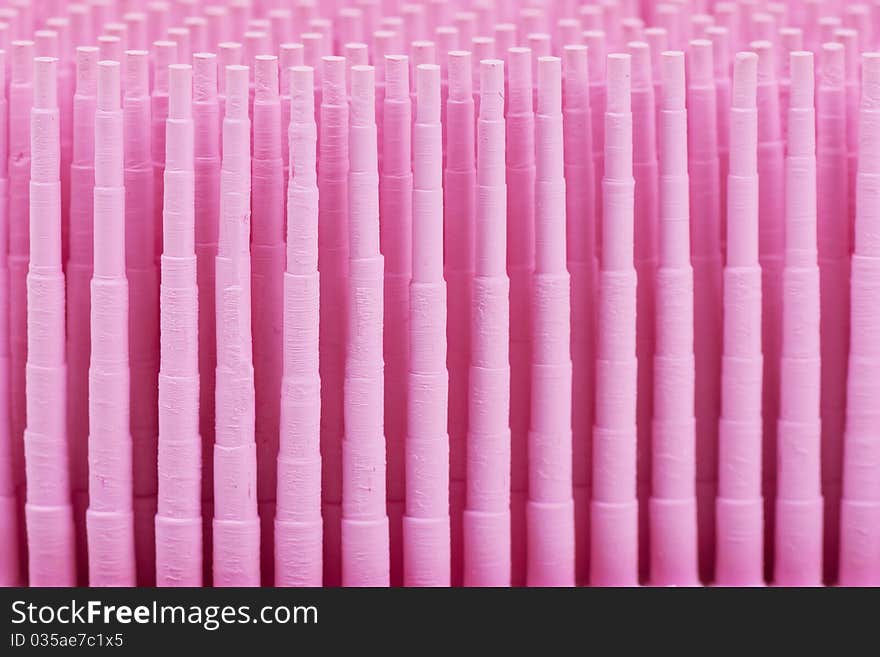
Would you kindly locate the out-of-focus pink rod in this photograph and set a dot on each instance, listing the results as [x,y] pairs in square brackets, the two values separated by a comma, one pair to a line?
[721,63]
[705,244]
[49,512]
[739,506]
[110,517]
[834,272]
[333,266]
[645,254]
[459,187]
[267,270]
[298,524]
[365,540]
[520,157]
[614,508]
[141,224]
[395,208]
[206,167]
[771,208]
[673,507]
[798,553]
[486,520]
[236,527]
[426,523]
[550,509]
[79,276]
[10,562]
[21,90]
[179,512]
[860,503]
[582,266]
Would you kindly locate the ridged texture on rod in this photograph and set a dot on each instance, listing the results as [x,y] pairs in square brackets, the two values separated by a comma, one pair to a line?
[426,523]
[179,513]
[49,512]
[110,516]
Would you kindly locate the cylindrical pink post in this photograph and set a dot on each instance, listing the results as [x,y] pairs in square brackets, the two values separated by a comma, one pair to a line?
[143,302]
[49,512]
[486,519]
[798,553]
[179,512]
[721,63]
[459,199]
[520,158]
[790,40]
[673,507]
[365,541]
[236,527]
[333,265]
[21,93]
[298,524]
[550,508]
[849,39]
[267,271]
[426,523]
[110,517]
[165,53]
[834,272]
[740,507]
[10,532]
[580,211]
[645,118]
[706,261]
[206,167]
[395,208]
[290,54]
[79,276]
[771,208]
[596,54]
[860,503]
[614,508]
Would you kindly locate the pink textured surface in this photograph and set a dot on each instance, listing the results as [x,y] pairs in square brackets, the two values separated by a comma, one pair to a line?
[236,528]
[298,524]
[333,267]
[395,212]
[798,558]
[580,240]
[860,502]
[521,190]
[645,169]
[673,504]
[11,566]
[476,316]
[550,508]
[79,275]
[267,270]
[49,512]
[364,534]
[704,169]
[459,205]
